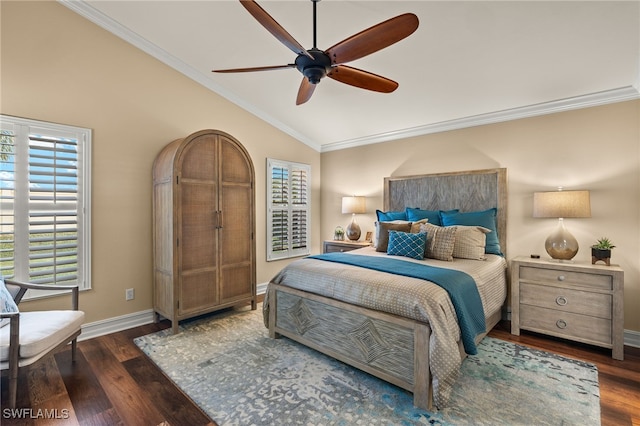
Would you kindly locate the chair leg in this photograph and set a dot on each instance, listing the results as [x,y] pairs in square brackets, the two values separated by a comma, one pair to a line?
[74,345]
[13,385]
[14,360]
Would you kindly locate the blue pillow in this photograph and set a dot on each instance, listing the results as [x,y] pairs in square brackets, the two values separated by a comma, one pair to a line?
[407,244]
[390,216]
[486,218]
[415,215]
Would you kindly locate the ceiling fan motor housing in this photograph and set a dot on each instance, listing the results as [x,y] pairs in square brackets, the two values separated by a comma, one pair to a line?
[314,69]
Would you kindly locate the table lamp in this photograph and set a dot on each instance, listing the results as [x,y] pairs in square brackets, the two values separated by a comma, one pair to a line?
[354,205]
[561,245]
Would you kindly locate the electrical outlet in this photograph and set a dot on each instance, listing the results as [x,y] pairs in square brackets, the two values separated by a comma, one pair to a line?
[129,295]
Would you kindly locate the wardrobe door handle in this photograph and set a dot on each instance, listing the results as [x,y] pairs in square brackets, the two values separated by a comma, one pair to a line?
[220,222]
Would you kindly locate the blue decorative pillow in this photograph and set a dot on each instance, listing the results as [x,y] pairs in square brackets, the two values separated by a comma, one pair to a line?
[414,215]
[407,244]
[390,216]
[6,303]
[485,218]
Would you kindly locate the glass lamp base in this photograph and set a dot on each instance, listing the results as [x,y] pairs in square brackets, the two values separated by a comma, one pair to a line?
[353,230]
[561,245]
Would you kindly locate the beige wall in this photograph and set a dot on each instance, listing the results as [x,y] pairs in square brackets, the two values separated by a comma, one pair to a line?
[597,149]
[59,67]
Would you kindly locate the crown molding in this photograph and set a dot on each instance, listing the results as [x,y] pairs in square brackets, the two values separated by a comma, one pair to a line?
[594,99]
[87,11]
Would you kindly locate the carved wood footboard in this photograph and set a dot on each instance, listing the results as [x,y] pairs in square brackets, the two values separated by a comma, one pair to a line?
[389,347]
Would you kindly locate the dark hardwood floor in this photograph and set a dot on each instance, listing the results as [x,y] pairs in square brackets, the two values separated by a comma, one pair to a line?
[114,383]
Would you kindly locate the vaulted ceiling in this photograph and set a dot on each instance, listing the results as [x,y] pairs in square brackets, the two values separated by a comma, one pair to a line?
[469,63]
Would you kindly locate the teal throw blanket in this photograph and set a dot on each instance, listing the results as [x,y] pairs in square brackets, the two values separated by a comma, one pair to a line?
[460,286]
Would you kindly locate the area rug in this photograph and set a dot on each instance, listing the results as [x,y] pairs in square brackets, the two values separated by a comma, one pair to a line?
[229,366]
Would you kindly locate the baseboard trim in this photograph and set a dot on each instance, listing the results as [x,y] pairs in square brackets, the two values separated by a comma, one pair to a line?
[136,319]
[112,325]
[632,338]
[124,322]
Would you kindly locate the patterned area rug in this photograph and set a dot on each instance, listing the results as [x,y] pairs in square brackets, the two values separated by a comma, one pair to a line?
[230,367]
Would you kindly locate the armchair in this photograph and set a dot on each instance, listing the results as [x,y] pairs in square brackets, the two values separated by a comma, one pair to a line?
[29,336]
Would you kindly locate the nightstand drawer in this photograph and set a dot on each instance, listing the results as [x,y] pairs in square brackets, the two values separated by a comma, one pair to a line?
[603,282]
[566,324]
[342,246]
[332,248]
[566,300]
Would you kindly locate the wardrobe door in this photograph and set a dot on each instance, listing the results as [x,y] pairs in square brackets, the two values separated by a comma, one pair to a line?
[236,233]
[198,271]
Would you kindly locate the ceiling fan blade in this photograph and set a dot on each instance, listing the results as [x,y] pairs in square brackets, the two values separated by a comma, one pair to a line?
[273,27]
[362,79]
[305,91]
[274,67]
[373,39]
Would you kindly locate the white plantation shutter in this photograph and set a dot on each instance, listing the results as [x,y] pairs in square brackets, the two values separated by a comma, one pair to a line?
[45,214]
[289,211]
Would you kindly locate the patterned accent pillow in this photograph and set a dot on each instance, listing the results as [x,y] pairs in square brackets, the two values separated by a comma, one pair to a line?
[440,241]
[407,244]
[470,242]
[382,232]
[6,302]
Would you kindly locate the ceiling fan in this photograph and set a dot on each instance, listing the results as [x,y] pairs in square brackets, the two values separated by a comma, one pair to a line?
[315,64]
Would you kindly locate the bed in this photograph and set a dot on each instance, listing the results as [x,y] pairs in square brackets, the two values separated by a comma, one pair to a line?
[381,313]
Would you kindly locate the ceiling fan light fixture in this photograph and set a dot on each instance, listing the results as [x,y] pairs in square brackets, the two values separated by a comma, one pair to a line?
[314,74]
[314,69]
[315,64]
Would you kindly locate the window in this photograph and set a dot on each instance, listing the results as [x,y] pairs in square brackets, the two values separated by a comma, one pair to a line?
[289,210]
[45,202]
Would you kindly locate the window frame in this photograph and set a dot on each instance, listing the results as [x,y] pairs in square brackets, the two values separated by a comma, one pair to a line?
[292,210]
[25,133]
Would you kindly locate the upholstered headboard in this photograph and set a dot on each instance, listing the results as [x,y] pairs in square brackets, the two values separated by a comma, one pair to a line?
[467,191]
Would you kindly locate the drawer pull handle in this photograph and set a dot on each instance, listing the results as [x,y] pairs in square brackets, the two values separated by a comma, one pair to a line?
[561,324]
[561,300]
[560,277]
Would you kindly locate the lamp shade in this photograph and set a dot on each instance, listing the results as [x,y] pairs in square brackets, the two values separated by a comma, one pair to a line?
[565,204]
[353,205]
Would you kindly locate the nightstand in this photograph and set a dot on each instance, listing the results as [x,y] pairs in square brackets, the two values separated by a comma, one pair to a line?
[575,301]
[331,246]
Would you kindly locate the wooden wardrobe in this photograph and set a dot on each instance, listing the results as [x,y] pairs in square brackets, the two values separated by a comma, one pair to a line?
[203,226]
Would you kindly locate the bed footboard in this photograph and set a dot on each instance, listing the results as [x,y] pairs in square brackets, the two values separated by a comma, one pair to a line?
[389,347]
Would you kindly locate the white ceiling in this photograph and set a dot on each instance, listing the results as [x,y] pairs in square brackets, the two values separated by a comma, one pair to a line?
[468,63]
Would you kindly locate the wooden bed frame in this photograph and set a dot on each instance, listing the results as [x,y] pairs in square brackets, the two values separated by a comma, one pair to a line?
[390,347]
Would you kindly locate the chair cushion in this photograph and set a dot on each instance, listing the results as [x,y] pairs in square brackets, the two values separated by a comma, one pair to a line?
[41,331]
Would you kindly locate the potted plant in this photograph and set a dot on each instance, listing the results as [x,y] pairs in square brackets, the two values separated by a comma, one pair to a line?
[338,234]
[601,250]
